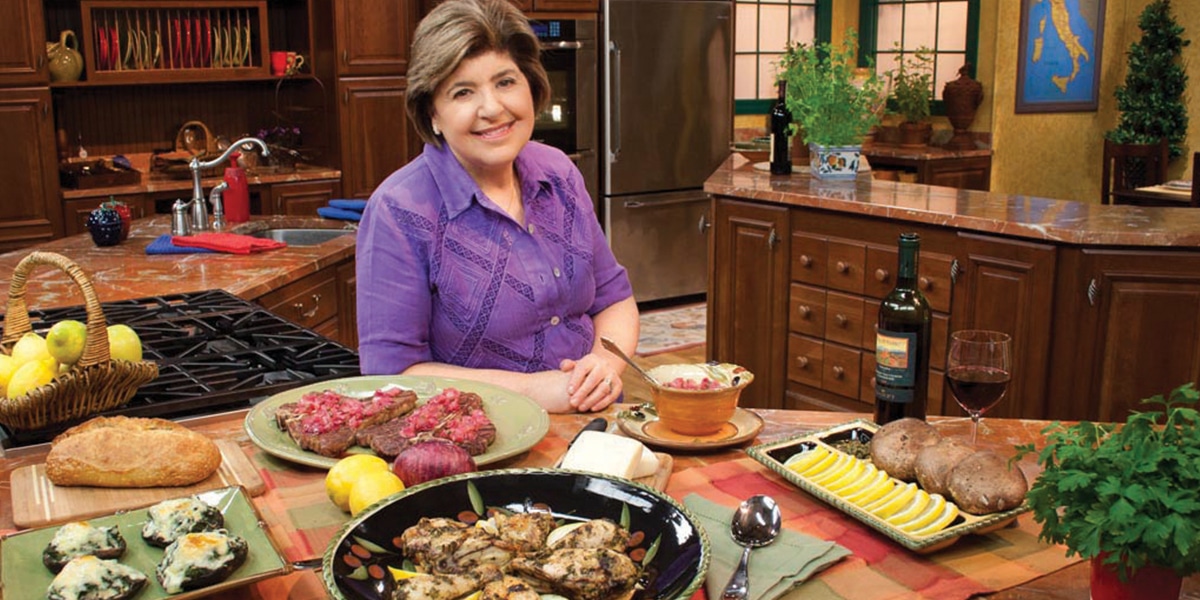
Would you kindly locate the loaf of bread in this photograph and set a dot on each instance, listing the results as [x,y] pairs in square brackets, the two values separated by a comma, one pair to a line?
[131,452]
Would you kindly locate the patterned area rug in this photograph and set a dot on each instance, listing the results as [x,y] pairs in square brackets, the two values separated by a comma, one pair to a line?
[671,329]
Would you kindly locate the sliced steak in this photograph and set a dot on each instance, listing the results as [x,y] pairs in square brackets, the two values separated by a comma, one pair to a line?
[328,423]
[451,415]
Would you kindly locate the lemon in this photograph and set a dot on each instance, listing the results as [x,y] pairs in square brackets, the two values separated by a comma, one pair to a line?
[29,348]
[949,513]
[124,343]
[839,468]
[65,341]
[399,574]
[371,488]
[901,500]
[8,366]
[804,459]
[819,466]
[872,492]
[868,475]
[345,472]
[856,471]
[31,375]
[915,507]
[933,510]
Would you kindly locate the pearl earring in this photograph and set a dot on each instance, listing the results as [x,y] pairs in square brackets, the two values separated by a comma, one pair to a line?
[436,131]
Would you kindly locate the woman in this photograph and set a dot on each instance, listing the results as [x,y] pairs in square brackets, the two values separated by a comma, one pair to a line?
[482,258]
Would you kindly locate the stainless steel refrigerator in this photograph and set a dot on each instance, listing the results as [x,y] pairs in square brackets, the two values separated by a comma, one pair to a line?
[668,107]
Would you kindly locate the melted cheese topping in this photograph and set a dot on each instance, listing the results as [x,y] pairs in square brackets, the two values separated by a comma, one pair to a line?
[207,551]
[79,538]
[171,518]
[90,577]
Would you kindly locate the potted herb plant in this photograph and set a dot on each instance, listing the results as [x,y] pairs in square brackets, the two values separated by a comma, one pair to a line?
[830,106]
[912,94]
[1127,497]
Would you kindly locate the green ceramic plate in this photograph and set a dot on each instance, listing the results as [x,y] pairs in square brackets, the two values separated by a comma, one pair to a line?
[24,576]
[520,422]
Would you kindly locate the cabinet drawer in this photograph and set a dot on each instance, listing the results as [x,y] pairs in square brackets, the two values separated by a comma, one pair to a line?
[841,369]
[866,378]
[808,259]
[309,301]
[934,280]
[844,266]
[844,319]
[880,271]
[804,360]
[870,322]
[806,310]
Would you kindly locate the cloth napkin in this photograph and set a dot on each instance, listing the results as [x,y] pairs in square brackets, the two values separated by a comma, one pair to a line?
[355,205]
[774,569]
[330,212]
[227,242]
[162,245]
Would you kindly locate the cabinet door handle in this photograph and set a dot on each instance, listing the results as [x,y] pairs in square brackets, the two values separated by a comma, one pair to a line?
[802,361]
[772,239]
[308,314]
[955,269]
[345,96]
[703,225]
[1093,292]
[881,275]
[345,56]
[41,61]
[45,109]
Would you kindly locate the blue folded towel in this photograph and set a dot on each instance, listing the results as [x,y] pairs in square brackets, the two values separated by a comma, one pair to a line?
[357,205]
[162,245]
[330,212]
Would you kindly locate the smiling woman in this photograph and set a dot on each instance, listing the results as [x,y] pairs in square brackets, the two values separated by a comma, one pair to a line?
[483,258]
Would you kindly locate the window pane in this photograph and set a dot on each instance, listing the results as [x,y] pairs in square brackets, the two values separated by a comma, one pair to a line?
[768,66]
[891,23]
[952,26]
[746,36]
[804,24]
[772,28]
[920,25]
[946,70]
[745,67]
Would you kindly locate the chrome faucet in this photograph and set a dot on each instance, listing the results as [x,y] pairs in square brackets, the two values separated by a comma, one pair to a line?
[181,222]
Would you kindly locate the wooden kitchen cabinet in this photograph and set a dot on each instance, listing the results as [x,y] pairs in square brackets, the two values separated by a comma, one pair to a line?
[969,170]
[1130,329]
[22,49]
[375,133]
[303,199]
[347,284]
[32,212]
[373,36]
[748,294]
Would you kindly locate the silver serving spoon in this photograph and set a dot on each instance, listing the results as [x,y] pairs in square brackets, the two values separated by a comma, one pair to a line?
[755,523]
[611,346]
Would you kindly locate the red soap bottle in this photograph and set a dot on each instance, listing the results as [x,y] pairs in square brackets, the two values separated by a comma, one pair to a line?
[237,195]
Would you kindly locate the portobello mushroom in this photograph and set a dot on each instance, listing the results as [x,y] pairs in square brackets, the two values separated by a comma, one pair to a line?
[91,578]
[80,538]
[197,560]
[895,446]
[985,483]
[170,519]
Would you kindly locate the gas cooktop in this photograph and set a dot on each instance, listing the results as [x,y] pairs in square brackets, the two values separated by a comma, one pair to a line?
[215,353]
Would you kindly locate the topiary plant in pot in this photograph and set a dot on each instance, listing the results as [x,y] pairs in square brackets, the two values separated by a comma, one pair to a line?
[832,107]
[1127,497]
[912,95]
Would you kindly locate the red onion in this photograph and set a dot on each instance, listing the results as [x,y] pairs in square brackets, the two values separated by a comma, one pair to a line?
[431,459]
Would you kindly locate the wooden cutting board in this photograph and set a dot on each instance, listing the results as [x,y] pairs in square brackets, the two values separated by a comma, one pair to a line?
[37,502]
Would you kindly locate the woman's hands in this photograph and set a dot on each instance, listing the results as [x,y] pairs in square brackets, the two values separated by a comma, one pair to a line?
[595,381]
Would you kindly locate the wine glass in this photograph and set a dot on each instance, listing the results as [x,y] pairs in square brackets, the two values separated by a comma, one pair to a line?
[978,366]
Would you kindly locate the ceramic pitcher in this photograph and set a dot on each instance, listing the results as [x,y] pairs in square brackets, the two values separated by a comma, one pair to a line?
[64,61]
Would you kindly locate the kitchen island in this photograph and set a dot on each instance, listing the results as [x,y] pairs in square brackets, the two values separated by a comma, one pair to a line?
[1103,302]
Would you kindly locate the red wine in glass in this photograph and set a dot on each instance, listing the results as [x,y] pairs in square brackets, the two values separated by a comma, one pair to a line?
[978,388]
[978,364]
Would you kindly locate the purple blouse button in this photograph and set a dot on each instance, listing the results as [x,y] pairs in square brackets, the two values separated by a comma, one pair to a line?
[554,320]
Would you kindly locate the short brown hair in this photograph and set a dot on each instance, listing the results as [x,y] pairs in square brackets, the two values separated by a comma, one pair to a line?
[460,29]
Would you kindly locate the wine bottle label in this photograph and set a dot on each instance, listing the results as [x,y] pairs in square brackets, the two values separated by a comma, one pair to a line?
[895,365]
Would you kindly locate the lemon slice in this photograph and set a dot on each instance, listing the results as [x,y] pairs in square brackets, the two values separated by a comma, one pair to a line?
[915,507]
[933,509]
[856,472]
[837,469]
[399,574]
[804,459]
[870,476]
[819,466]
[896,489]
[949,513]
[872,492]
[902,499]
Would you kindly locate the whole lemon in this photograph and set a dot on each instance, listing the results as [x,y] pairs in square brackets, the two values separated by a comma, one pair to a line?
[8,366]
[31,375]
[371,488]
[124,343]
[65,340]
[31,347]
[348,470]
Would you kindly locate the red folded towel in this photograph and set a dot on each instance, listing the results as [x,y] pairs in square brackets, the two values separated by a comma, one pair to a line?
[227,242]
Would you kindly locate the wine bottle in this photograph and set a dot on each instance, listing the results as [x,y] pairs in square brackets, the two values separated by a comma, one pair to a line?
[902,341]
[781,158]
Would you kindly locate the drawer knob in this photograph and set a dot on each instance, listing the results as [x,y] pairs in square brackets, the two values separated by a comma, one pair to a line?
[805,260]
[841,320]
[838,372]
[804,310]
[926,283]
[881,275]
[802,361]
[843,267]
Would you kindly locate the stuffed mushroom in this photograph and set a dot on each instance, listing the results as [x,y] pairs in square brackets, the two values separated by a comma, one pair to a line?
[170,519]
[197,560]
[82,539]
[91,578]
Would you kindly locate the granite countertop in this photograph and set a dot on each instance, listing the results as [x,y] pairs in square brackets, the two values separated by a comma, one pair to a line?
[125,271]
[154,181]
[1026,217]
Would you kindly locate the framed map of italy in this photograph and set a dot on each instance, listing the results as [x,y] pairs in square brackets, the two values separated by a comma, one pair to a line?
[1058,61]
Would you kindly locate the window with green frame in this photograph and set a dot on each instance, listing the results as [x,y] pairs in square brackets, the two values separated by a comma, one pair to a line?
[762,30]
[893,28]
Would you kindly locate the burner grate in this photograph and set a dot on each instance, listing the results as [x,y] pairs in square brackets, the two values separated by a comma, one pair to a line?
[215,352]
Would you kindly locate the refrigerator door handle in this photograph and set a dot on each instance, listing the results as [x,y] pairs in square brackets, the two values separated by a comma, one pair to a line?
[668,200]
[614,51]
[562,45]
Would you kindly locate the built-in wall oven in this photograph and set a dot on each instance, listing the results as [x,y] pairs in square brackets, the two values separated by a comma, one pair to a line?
[570,120]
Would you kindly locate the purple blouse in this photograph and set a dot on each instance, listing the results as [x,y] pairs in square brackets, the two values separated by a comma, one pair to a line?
[445,275]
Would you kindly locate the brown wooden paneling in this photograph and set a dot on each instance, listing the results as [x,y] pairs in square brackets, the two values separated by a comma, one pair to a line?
[30,211]
[375,133]
[22,47]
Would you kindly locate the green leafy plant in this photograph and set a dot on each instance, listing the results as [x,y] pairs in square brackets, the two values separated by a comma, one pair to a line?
[1151,99]
[828,104]
[1130,492]
[912,85]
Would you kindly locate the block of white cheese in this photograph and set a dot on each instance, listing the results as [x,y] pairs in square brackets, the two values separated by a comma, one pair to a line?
[610,454]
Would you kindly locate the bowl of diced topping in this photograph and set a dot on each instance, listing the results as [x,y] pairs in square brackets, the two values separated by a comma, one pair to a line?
[697,398]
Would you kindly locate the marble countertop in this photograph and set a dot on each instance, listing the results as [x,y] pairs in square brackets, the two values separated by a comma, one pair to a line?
[155,181]
[1025,217]
[125,271]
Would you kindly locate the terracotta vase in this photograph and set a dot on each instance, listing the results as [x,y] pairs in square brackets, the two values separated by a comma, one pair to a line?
[1148,583]
[962,97]
[914,135]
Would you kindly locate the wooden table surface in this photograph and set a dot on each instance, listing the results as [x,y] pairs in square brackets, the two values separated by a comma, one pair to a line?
[1000,435]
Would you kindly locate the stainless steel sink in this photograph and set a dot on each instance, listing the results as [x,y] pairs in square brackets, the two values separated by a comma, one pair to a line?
[301,237]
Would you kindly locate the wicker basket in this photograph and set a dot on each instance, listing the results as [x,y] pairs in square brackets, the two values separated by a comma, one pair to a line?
[96,383]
